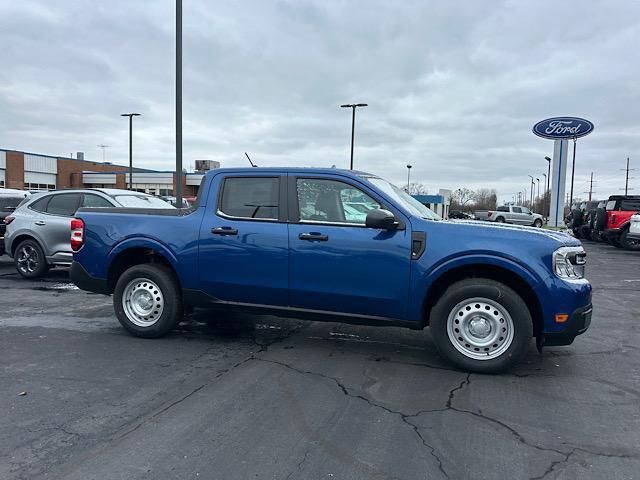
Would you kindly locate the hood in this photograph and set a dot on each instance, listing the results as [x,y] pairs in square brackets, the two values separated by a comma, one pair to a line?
[507,231]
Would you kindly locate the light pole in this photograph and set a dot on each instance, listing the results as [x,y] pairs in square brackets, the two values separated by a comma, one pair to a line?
[546,203]
[573,170]
[532,187]
[353,107]
[408,176]
[538,194]
[130,115]
[178,191]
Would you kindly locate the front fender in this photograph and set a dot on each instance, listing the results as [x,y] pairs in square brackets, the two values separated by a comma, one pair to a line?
[427,278]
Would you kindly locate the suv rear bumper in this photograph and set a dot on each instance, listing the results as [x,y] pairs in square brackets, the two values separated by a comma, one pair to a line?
[84,281]
[579,323]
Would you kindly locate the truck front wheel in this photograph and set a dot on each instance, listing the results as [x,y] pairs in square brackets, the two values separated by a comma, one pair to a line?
[147,300]
[481,325]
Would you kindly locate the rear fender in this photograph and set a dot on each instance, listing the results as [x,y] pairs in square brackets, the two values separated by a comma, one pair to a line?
[143,242]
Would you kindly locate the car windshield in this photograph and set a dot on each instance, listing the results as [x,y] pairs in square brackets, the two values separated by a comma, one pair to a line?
[403,198]
[141,201]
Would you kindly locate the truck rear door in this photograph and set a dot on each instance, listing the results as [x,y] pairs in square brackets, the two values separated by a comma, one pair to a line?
[336,263]
[243,248]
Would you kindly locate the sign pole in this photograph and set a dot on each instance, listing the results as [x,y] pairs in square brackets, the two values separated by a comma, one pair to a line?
[558,176]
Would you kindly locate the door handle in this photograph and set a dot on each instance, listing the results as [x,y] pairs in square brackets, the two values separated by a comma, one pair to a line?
[224,231]
[40,222]
[318,237]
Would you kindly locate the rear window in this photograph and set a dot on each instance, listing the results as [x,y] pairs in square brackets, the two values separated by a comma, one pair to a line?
[10,201]
[65,204]
[611,205]
[250,197]
[502,209]
[141,201]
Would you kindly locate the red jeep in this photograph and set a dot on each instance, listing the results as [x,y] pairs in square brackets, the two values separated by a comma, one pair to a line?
[620,208]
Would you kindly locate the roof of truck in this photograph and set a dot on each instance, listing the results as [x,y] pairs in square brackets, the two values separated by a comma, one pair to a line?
[290,169]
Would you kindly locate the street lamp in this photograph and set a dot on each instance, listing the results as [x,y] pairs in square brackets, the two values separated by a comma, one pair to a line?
[532,187]
[130,115]
[538,195]
[353,107]
[408,176]
[178,192]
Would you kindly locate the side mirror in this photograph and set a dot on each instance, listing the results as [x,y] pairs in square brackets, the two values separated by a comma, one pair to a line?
[382,219]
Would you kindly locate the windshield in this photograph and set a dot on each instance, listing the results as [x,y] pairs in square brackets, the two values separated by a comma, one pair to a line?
[140,201]
[403,198]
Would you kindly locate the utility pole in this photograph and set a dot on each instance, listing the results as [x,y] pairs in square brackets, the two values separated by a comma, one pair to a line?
[538,194]
[408,176]
[591,186]
[103,147]
[178,191]
[626,179]
[353,107]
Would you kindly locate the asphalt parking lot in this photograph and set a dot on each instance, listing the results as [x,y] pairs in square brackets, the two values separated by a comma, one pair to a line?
[265,398]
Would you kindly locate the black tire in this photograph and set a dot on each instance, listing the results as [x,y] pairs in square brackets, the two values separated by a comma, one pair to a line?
[537,223]
[168,308]
[629,243]
[577,233]
[615,241]
[500,220]
[29,259]
[470,290]
[601,219]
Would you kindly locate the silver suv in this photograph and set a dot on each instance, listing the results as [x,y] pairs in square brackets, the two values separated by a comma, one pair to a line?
[39,230]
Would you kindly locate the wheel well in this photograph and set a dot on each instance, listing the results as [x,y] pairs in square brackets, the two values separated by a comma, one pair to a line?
[19,239]
[490,272]
[134,256]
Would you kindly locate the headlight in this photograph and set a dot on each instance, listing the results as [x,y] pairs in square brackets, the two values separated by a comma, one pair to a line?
[568,262]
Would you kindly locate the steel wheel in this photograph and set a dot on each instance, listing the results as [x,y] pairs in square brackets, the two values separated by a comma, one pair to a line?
[142,302]
[480,328]
[28,259]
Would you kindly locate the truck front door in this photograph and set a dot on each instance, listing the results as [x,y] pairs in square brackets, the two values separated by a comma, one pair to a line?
[336,264]
[243,248]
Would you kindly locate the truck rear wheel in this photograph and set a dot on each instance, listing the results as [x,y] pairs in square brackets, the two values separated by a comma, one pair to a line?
[481,325]
[147,300]
[629,243]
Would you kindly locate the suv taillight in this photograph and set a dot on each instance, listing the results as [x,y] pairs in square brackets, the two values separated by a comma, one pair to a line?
[77,234]
[8,220]
[489,213]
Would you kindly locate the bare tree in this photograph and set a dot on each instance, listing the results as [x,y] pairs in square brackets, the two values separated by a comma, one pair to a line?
[416,188]
[485,199]
[461,199]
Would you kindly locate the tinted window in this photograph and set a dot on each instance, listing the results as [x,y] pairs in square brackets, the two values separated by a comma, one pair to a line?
[8,201]
[41,204]
[502,209]
[65,204]
[517,210]
[250,197]
[630,205]
[333,202]
[95,201]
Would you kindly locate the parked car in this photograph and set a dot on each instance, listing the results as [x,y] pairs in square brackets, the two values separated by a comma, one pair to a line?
[598,222]
[279,241]
[579,219]
[9,200]
[620,209]
[38,232]
[460,215]
[634,227]
[174,201]
[510,214]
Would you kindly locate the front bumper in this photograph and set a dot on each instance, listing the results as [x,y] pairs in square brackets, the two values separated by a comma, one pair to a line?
[577,325]
[84,281]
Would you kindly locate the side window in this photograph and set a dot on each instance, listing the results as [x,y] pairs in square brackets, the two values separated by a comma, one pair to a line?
[65,204]
[502,209]
[94,201]
[516,210]
[525,210]
[332,201]
[41,204]
[255,197]
[630,205]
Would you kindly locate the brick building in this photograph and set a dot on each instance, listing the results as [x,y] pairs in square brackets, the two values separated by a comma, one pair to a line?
[31,171]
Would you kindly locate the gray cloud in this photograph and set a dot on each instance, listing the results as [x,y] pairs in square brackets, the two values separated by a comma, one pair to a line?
[453,87]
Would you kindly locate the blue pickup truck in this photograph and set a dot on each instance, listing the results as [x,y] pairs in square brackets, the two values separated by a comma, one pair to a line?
[336,245]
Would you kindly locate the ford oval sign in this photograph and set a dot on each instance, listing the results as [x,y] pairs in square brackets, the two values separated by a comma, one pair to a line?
[563,127]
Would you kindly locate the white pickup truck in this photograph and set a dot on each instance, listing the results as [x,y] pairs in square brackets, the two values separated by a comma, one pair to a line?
[511,214]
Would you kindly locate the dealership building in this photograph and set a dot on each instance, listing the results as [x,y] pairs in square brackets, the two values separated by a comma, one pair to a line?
[35,171]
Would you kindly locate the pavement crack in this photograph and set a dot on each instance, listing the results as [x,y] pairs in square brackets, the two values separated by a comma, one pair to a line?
[403,416]
[553,465]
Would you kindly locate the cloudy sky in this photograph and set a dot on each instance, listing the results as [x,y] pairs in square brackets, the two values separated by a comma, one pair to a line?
[453,87]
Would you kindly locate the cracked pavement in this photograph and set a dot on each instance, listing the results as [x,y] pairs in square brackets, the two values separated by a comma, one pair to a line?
[260,397]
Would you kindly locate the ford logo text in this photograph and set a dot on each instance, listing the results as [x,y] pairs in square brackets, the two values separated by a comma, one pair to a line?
[563,127]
